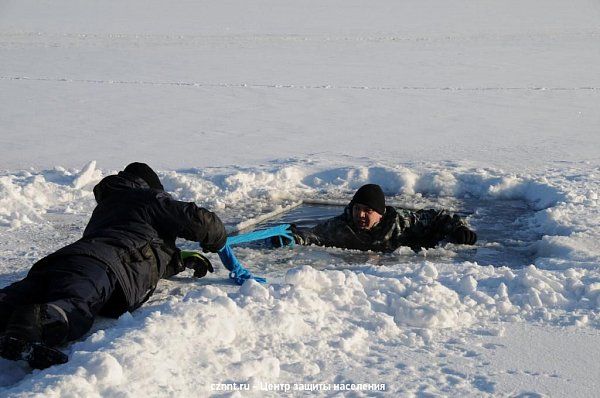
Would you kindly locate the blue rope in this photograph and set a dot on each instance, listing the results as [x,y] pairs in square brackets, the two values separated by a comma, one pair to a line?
[280,230]
[237,271]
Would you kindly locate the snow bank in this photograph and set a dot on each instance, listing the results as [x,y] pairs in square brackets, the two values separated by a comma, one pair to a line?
[27,195]
[453,180]
[243,194]
[31,194]
[503,84]
[290,332]
[309,320]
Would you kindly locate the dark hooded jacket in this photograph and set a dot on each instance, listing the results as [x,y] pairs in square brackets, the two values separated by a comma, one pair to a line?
[398,227]
[133,230]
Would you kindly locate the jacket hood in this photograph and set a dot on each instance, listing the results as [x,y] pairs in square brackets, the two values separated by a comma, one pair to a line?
[118,183]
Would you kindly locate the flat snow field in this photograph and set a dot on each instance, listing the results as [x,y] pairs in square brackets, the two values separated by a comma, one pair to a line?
[488,108]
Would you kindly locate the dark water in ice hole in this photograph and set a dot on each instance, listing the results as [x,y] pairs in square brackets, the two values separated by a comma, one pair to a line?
[504,238]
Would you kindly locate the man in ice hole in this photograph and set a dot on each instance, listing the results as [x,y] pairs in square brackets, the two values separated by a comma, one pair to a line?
[368,224]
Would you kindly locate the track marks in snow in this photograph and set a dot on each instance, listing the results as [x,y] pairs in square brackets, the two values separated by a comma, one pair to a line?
[149,40]
[292,86]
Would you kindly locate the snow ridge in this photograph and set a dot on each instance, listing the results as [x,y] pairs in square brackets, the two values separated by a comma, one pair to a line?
[320,317]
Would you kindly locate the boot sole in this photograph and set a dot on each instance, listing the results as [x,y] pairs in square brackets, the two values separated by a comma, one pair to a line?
[37,355]
[13,349]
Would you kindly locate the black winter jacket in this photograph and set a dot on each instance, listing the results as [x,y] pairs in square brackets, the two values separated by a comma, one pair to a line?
[398,227]
[133,230]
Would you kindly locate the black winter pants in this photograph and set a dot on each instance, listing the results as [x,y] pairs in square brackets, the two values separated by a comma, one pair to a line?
[77,287]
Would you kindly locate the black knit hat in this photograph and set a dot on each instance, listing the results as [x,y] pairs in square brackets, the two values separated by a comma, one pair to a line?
[370,195]
[145,172]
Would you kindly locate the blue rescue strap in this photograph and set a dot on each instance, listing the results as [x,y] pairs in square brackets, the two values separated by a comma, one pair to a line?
[237,272]
[282,231]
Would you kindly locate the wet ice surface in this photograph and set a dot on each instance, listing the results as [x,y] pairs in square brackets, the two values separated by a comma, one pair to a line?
[501,225]
[504,236]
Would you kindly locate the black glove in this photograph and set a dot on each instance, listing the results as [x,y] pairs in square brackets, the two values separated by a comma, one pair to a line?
[462,236]
[280,241]
[196,261]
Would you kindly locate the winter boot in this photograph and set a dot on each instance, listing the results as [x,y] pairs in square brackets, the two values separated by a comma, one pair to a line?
[37,355]
[25,324]
[12,348]
[22,339]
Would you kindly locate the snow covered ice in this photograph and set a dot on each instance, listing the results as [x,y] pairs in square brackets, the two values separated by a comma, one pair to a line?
[490,109]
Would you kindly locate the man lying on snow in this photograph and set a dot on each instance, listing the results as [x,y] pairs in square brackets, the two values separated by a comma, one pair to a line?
[127,246]
[368,224]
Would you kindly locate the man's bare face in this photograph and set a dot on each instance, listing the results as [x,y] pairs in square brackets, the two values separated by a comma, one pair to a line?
[364,217]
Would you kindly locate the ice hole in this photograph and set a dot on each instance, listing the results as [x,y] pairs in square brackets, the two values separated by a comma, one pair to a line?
[504,236]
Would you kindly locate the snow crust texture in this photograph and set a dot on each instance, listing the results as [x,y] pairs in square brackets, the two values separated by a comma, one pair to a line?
[328,316]
[488,108]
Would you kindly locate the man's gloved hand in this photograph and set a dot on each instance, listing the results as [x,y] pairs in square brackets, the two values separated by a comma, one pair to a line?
[196,261]
[288,239]
[462,236]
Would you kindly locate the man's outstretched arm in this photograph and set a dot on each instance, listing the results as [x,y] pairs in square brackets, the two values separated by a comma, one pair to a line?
[188,221]
[427,227]
[301,236]
[333,233]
